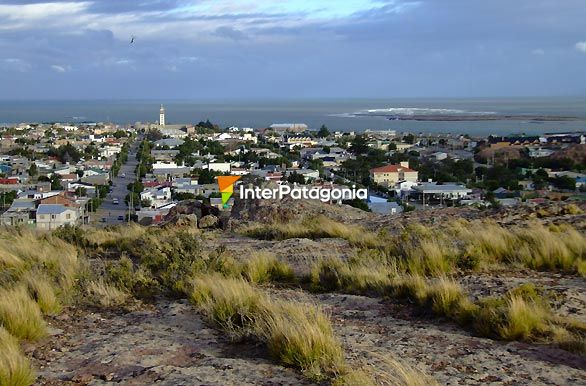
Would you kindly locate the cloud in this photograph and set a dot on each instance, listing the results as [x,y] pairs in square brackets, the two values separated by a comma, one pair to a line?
[230,33]
[60,68]
[15,64]
[260,47]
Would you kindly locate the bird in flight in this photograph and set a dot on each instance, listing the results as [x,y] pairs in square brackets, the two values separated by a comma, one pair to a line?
[132,39]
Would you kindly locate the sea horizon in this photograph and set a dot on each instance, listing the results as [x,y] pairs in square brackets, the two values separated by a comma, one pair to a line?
[336,113]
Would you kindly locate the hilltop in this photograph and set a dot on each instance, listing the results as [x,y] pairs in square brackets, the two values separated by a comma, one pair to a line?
[301,293]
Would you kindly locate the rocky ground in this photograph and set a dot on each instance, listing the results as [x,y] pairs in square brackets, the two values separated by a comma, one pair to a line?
[166,342]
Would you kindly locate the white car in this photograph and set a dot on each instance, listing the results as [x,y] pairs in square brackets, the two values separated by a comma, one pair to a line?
[115,201]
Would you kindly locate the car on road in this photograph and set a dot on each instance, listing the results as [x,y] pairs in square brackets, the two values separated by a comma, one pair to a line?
[121,218]
[103,219]
[115,201]
[123,175]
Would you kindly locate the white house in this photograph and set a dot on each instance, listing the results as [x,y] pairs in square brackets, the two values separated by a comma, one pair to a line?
[157,196]
[222,167]
[52,216]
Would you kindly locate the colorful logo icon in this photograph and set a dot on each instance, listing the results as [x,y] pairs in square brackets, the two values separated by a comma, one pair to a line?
[226,184]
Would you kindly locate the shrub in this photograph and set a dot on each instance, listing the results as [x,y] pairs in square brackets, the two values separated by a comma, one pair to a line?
[15,369]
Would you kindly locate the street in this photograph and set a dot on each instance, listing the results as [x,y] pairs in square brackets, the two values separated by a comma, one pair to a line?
[116,213]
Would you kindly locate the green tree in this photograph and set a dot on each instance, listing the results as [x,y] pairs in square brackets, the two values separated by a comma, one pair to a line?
[323,132]
[359,145]
[33,170]
[296,178]
[409,138]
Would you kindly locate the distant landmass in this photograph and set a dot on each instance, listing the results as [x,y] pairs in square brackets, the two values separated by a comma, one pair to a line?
[475,117]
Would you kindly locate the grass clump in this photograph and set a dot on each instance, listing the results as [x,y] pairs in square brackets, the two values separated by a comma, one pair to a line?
[105,294]
[359,276]
[42,290]
[264,267]
[384,370]
[20,315]
[314,228]
[297,334]
[15,369]
[301,336]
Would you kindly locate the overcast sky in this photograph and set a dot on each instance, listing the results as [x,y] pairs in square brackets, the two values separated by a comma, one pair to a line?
[291,49]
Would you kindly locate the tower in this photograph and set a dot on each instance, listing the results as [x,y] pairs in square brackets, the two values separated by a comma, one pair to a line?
[162,116]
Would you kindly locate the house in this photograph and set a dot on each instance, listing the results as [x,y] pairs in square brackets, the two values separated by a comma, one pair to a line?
[429,191]
[290,127]
[299,140]
[52,216]
[438,156]
[21,212]
[170,142]
[157,196]
[222,167]
[308,174]
[539,152]
[389,175]
[153,216]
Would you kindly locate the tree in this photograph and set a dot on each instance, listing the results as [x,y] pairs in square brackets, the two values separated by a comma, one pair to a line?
[357,203]
[146,203]
[409,138]
[296,178]
[564,182]
[56,182]
[359,145]
[33,170]
[323,132]
[80,191]
[154,135]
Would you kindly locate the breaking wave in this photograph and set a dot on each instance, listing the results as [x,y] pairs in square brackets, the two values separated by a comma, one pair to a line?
[421,111]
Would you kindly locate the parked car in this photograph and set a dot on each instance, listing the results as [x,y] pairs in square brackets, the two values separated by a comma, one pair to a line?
[115,201]
[121,218]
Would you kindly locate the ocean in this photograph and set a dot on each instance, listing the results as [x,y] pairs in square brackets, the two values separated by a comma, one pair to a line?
[336,114]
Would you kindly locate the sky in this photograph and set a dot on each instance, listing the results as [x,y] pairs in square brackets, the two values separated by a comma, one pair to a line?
[228,49]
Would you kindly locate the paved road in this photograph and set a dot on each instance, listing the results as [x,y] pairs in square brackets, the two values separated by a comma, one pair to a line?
[116,213]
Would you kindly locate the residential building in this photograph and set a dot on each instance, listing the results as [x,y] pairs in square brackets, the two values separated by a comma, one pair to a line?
[52,216]
[389,175]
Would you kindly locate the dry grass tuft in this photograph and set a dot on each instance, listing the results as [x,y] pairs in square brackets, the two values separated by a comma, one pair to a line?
[105,294]
[42,290]
[15,369]
[20,315]
[314,228]
[299,335]
[264,267]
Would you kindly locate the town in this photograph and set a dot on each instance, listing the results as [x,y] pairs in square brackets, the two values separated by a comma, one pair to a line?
[55,174]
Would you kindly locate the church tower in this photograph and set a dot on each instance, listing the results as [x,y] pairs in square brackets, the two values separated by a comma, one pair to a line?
[162,116]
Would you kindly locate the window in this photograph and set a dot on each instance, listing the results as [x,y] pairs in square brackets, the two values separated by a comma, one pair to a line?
[68,216]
